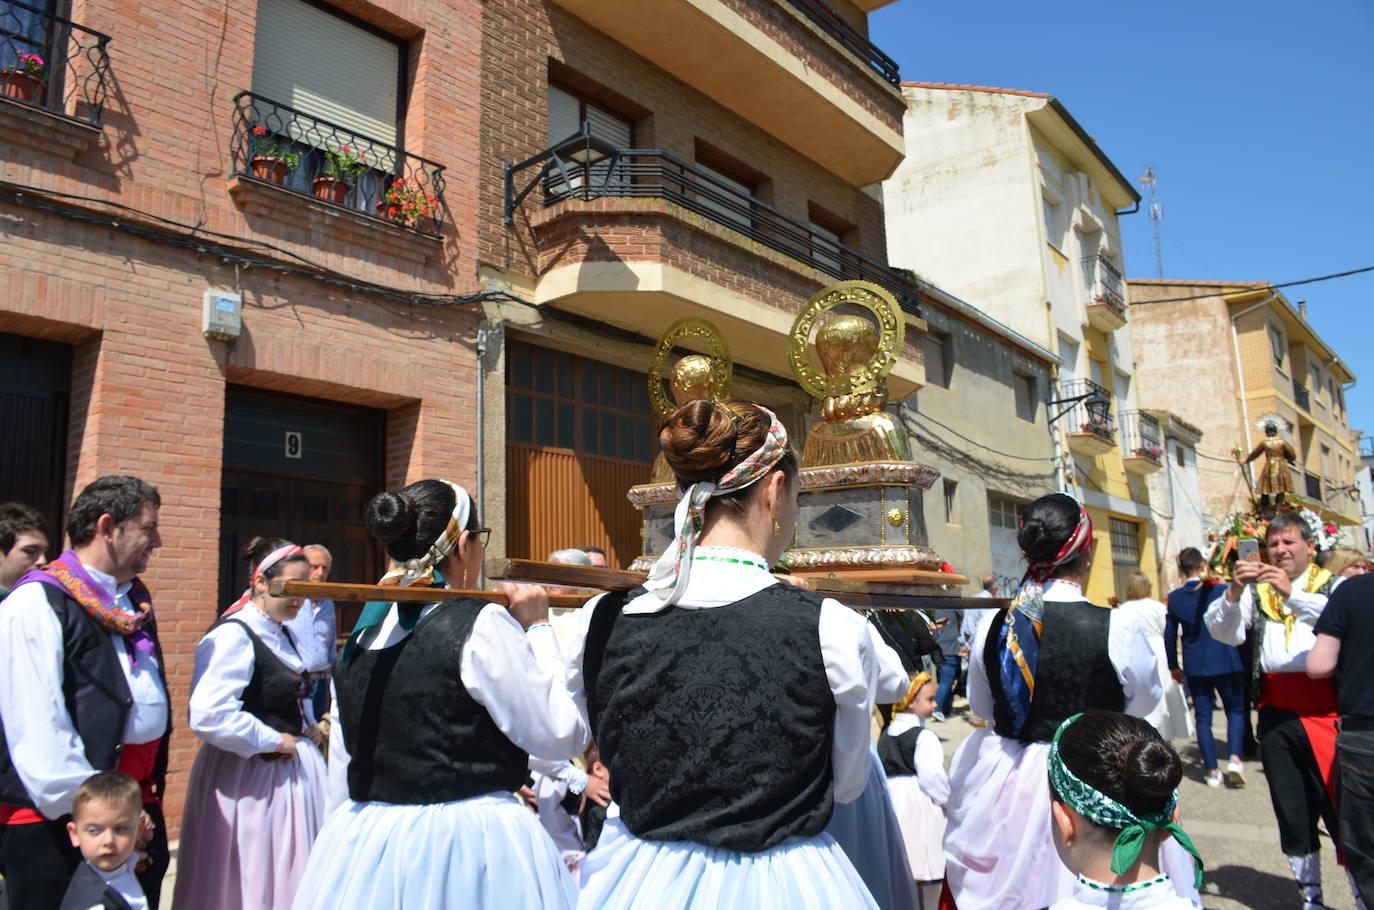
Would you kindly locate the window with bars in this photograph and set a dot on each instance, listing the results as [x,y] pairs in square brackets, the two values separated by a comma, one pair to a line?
[559,400]
[1125,542]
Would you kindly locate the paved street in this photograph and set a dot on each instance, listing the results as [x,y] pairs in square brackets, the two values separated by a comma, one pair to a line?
[1233,829]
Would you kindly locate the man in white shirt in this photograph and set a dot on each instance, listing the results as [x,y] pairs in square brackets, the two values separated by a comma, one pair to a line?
[314,631]
[82,689]
[1297,714]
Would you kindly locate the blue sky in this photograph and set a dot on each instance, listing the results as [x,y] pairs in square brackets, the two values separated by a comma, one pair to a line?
[1258,118]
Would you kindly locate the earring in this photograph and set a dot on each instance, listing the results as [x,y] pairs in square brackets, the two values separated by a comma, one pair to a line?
[777,528]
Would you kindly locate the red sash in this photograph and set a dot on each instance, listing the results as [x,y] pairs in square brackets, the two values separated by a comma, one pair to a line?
[138,761]
[1314,701]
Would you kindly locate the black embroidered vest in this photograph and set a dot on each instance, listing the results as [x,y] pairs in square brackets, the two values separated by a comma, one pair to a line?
[716,724]
[414,733]
[95,692]
[1074,672]
[898,753]
[273,694]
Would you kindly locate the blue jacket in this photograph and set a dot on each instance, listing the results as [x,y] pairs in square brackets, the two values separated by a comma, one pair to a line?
[1203,655]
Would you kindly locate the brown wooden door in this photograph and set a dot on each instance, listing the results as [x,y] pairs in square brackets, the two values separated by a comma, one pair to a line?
[578,437]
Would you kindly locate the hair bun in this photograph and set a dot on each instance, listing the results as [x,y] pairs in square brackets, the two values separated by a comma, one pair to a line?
[699,440]
[390,516]
[1153,770]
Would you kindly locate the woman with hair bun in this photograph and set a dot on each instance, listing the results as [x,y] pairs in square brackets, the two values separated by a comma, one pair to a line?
[1051,655]
[731,710]
[256,797]
[438,709]
[1114,786]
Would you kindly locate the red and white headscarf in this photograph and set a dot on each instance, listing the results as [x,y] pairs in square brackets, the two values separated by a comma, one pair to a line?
[668,578]
[267,562]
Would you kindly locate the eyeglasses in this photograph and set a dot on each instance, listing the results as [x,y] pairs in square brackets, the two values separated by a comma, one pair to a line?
[482,534]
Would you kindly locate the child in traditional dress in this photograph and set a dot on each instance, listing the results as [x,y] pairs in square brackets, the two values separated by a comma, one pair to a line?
[255,801]
[915,766]
[105,820]
[1114,789]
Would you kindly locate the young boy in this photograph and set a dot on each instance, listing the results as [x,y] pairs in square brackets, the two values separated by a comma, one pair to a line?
[104,825]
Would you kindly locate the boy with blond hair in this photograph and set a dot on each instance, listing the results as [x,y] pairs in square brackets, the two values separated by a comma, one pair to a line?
[104,825]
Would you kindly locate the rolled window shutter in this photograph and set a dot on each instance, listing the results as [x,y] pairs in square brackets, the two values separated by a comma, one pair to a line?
[328,68]
[565,117]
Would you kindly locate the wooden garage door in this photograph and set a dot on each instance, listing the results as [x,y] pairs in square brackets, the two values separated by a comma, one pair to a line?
[578,436]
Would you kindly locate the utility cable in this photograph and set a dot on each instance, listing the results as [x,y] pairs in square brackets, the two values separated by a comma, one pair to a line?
[1267,287]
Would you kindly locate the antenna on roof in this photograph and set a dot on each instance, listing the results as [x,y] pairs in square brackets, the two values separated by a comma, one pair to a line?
[1147,182]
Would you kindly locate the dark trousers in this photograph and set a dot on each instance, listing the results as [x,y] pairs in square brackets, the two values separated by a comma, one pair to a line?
[948,669]
[1295,784]
[1355,801]
[1231,688]
[40,859]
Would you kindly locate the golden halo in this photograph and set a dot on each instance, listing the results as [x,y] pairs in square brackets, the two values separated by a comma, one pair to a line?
[891,324]
[708,335]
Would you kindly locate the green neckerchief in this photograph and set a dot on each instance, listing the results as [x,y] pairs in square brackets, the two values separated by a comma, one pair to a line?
[1098,807]
[374,611]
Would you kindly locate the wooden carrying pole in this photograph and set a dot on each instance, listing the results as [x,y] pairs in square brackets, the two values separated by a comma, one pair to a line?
[851,593]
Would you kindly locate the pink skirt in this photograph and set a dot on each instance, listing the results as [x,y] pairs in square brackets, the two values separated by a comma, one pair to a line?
[247,828]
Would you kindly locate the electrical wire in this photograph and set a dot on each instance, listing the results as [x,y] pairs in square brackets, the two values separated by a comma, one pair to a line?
[193,237]
[1267,287]
[905,409]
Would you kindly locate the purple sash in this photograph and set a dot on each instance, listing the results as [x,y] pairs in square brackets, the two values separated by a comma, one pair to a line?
[68,575]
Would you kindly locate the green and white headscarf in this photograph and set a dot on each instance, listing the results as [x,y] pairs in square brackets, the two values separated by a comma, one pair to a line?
[1098,807]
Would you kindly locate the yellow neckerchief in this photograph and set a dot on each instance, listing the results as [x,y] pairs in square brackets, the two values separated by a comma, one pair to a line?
[1274,607]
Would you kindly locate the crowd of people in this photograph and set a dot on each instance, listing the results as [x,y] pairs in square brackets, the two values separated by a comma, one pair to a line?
[719,736]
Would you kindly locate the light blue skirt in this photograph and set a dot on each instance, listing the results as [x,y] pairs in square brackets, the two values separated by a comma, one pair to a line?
[869,833]
[624,872]
[484,853]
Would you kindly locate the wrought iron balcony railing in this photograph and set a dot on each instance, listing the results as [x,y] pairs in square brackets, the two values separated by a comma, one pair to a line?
[1301,397]
[52,63]
[834,25]
[314,157]
[1141,436]
[1092,414]
[1314,486]
[1104,282]
[583,167]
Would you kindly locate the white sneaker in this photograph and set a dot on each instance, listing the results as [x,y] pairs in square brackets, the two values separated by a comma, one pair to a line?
[937,716]
[1235,775]
[1214,778]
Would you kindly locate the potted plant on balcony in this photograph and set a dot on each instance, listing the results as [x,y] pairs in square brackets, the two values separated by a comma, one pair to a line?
[406,204]
[1154,453]
[1099,427]
[269,159]
[25,81]
[342,166]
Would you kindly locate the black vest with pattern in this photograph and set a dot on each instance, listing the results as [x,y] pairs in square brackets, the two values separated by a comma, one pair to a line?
[415,735]
[716,724]
[274,693]
[1073,673]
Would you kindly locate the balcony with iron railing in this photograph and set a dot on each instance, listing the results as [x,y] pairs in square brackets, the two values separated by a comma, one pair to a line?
[793,69]
[54,74]
[1312,486]
[1142,442]
[834,25]
[1301,397]
[287,151]
[1087,418]
[583,168]
[1106,306]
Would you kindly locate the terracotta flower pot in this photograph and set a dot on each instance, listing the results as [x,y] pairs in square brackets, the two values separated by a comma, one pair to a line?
[331,188]
[271,169]
[20,85]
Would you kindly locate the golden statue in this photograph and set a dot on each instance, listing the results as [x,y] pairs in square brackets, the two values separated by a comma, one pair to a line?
[694,376]
[855,354]
[1274,479]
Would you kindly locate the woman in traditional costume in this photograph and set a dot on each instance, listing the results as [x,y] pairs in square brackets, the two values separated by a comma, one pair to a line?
[1115,790]
[914,762]
[438,708]
[256,797]
[731,710]
[1050,655]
